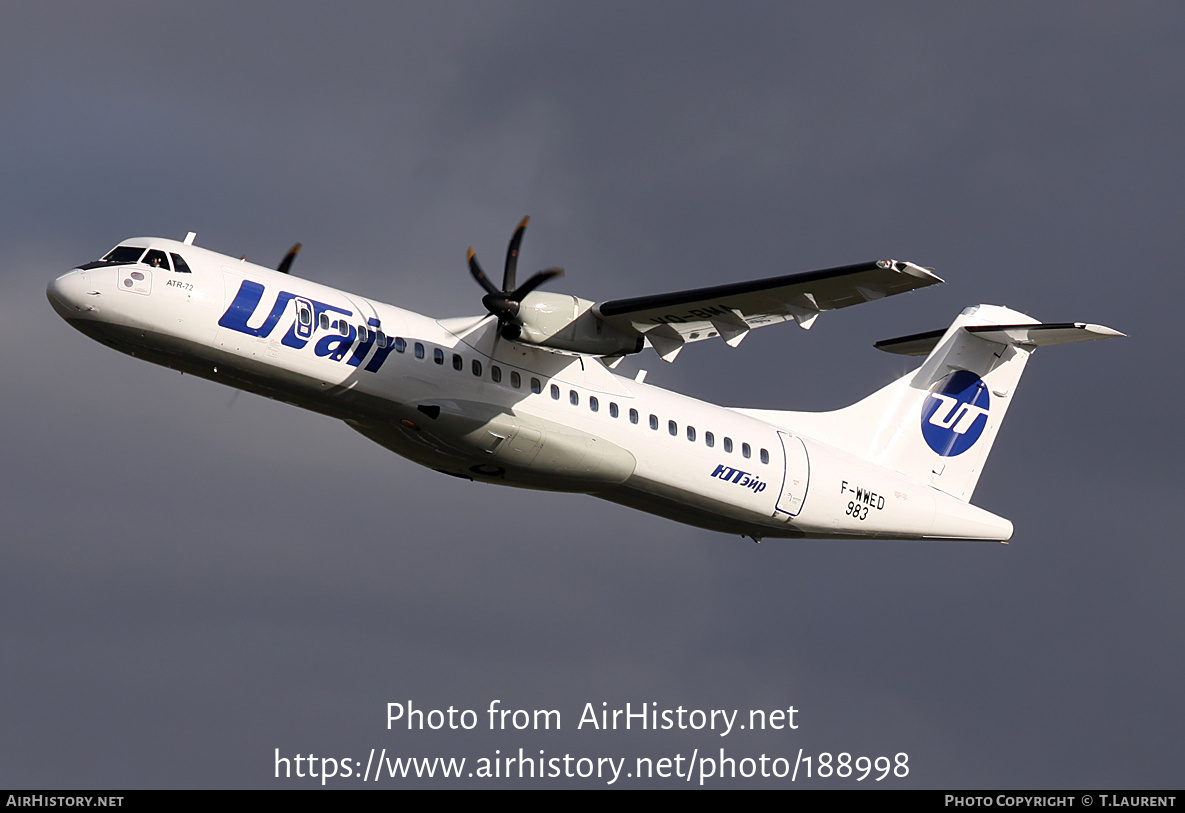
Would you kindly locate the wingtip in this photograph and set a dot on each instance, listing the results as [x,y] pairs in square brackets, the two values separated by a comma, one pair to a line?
[524,222]
[914,270]
[1105,332]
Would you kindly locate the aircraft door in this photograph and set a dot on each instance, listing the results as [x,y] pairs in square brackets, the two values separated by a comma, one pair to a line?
[304,319]
[796,477]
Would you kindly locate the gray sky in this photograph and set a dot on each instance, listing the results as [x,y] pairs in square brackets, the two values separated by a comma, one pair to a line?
[193,579]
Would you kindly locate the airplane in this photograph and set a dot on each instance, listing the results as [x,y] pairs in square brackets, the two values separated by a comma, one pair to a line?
[525,394]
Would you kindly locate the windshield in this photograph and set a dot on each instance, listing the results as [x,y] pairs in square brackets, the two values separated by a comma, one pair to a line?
[123,255]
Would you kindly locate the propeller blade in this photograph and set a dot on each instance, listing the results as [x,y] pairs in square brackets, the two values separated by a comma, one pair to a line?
[479,275]
[503,303]
[512,255]
[286,264]
[534,282]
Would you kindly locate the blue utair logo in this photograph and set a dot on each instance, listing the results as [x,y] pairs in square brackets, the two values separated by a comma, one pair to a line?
[334,346]
[741,478]
[951,415]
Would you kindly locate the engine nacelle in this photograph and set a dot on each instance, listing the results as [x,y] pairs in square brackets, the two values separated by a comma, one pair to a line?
[567,322]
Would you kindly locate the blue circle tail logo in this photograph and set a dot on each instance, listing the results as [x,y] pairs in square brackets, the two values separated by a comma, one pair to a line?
[955,413]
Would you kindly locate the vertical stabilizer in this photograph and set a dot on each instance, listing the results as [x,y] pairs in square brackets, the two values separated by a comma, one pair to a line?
[937,424]
[951,408]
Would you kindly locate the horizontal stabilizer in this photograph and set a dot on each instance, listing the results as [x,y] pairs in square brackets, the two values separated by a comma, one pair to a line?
[921,344]
[1043,335]
[915,344]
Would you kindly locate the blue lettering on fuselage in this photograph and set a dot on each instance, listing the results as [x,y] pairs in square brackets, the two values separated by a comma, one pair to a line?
[334,346]
[244,306]
[741,478]
[364,347]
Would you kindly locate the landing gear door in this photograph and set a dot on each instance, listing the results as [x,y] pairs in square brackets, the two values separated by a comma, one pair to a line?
[796,477]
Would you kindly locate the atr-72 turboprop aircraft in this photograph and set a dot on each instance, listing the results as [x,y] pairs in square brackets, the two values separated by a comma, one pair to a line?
[525,395]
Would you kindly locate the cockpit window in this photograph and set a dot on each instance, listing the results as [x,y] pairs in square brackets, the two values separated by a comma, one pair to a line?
[179,264]
[124,255]
[157,259]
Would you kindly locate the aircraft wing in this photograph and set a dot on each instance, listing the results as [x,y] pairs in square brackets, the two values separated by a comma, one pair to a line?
[668,321]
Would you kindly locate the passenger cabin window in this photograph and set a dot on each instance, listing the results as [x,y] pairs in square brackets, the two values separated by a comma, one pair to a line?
[495,373]
[633,416]
[476,367]
[709,439]
[746,451]
[419,350]
[536,386]
[362,334]
[593,403]
[691,433]
[438,355]
[458,362]
[764,456]
[728,445]
[654,422]
[573,398]
[555,392]
[612,409]
[516,380]
[325,323]
[179,264]
[672,428]
[400,344]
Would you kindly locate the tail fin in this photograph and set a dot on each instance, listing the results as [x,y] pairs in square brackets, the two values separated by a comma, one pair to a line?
[937,424]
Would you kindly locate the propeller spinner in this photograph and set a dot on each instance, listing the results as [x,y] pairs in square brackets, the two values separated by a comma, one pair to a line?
[503,303]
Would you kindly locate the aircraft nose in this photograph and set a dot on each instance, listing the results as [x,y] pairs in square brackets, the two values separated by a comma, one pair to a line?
[72,295]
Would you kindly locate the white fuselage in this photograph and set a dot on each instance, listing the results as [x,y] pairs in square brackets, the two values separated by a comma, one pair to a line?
[451,395]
